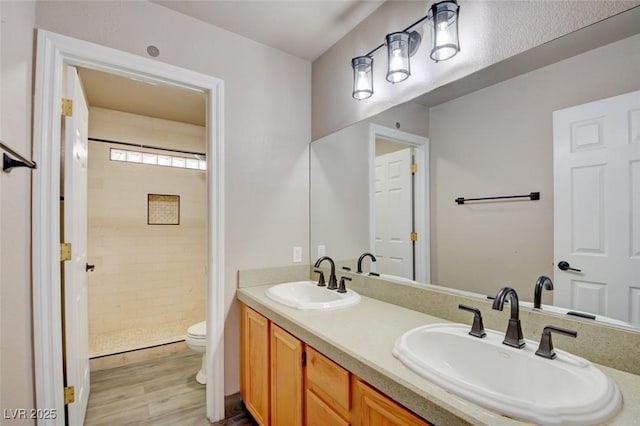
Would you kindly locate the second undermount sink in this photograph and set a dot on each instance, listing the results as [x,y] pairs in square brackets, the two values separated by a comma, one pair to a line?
[307,295]
[568,390]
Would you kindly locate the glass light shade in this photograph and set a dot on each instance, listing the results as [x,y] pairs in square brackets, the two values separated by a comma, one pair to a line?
[444,30]
[398,68]
[362,77]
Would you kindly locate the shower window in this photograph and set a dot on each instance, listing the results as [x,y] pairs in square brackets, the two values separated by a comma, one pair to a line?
[128,156]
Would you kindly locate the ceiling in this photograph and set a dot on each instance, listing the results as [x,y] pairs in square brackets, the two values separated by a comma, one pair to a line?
[137,97]
[303,28]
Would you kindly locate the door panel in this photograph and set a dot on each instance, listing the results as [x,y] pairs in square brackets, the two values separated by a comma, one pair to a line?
[588,231]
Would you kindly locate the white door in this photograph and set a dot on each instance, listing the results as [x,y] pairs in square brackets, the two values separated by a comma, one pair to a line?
[394,248]
[76,319]
[597,207]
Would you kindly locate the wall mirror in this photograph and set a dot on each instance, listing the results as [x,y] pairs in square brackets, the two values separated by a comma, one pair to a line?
[491,135]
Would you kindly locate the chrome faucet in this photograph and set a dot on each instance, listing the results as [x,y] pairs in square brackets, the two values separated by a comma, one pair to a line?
[333,282]
[373,259]
[514,336]
[537,294]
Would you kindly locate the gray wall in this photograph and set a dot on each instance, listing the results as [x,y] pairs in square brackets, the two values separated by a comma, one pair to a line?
[267,126]
[340,181]
[16,350]
[499,141]
[490,31]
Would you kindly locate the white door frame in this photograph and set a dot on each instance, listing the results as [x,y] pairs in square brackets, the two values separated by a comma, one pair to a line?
[53,52]
[421,145]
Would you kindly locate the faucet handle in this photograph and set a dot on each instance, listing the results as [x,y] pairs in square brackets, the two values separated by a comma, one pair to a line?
[477,329]
[545,348]
[342,288]
[321,282]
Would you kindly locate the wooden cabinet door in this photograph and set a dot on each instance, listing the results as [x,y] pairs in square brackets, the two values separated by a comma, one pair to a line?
[286,378]
[254,368]
[372,408]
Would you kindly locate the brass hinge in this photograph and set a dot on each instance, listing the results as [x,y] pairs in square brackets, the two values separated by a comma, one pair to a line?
[69,395]
[65,252]
[414,236]
[414,168]
[67,107]
[304,359]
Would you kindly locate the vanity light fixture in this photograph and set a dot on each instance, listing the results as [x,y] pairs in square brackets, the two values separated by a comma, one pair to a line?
[362,77]
[444,30]
[398,57]
[403,44]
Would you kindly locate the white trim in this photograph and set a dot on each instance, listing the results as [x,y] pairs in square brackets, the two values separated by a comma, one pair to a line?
[53,52]
[421,145]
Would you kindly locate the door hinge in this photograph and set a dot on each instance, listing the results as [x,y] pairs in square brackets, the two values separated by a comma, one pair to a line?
[67,107]
[414,168]
[414,236]
[65,252]
[69,395]
[304,359]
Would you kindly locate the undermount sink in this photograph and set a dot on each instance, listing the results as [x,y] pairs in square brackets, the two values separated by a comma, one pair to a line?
[568,390]
[307,295]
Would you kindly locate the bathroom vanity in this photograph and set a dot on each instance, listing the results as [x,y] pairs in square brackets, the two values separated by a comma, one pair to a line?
[286,381]
[351,376]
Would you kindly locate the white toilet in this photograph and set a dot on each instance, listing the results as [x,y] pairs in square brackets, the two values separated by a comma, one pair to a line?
[197,341]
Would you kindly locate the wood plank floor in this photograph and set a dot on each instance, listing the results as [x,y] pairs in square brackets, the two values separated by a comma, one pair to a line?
[158,392]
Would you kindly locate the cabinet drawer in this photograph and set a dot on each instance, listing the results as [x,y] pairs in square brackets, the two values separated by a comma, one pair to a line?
[373,408]
[320,414]
[329,381]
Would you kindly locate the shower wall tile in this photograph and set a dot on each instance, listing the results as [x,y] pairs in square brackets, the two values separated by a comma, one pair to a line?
[150,280]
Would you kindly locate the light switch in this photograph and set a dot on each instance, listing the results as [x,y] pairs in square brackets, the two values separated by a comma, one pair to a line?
[297,254]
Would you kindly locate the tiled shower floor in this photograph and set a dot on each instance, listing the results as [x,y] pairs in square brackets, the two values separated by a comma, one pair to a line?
[136,338]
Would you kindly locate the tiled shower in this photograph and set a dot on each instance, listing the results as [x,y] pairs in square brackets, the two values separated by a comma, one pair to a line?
[146,232]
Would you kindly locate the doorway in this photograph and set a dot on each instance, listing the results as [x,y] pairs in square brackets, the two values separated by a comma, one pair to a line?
[54,52]
[399,203]
[135,281]
[146,215]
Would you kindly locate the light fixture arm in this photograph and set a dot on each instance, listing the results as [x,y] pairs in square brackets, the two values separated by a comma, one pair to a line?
[406,30]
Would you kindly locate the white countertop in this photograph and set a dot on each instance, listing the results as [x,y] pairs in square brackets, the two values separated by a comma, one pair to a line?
[361,338]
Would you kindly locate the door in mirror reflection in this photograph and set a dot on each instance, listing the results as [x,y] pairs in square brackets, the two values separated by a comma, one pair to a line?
[399,203]
[394,201]
[597,207]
